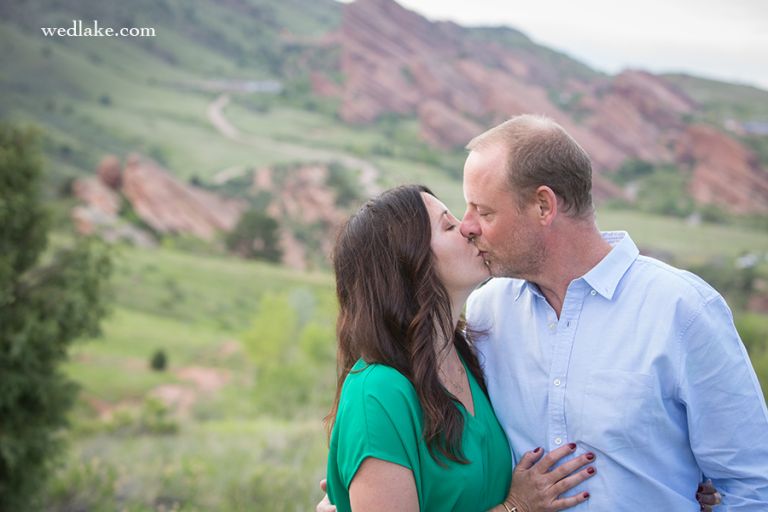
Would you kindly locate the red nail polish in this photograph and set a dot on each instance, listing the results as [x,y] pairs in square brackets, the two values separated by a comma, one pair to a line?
[572,446]
[590,456]
[586,495]
[591,471]
[537,450]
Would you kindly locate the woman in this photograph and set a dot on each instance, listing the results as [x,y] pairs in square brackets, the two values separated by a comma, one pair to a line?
[412,427]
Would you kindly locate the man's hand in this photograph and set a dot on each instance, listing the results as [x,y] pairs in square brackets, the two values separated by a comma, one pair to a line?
[708,496]
[325,504]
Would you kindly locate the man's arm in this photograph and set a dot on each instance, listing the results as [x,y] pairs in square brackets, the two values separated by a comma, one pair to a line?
[727,416]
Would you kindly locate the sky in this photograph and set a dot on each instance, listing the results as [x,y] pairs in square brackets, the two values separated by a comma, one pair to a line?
[720,39]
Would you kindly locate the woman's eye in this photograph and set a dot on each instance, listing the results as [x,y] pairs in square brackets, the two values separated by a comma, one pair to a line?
[449,228]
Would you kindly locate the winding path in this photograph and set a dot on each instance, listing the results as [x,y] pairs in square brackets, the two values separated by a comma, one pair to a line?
[215,111]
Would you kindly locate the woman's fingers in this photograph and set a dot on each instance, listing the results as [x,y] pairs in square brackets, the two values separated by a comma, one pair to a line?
[566,468]
[530,458]
[550,459]
[573,480]
[571,501]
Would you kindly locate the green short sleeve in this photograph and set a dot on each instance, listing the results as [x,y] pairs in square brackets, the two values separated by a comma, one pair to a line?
[376,421]
[372,433]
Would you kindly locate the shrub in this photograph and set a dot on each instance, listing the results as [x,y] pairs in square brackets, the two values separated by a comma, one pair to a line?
[158,361]
[255,236]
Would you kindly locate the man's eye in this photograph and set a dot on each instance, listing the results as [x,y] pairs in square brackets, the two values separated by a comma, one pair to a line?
[449,228]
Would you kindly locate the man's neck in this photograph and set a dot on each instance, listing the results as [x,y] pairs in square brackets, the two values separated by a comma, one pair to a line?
[570,255]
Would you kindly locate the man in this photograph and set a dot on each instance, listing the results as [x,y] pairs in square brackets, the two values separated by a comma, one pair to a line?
[591,343]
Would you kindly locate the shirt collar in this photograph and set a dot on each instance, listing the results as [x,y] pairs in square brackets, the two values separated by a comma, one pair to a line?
[527,285]
[605,276]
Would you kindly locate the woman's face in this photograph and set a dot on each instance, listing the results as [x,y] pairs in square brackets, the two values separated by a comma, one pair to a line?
[459,264]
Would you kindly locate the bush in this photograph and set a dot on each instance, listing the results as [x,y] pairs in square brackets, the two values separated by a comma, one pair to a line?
[82,485]
[255,236]
[152,418]
[289,339]
[159,361]
[345,183]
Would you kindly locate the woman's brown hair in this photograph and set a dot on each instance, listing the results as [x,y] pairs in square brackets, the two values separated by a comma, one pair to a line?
[393,309]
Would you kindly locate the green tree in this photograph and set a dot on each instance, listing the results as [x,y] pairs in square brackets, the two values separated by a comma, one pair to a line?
[255,236]
[292,343]
[44,306]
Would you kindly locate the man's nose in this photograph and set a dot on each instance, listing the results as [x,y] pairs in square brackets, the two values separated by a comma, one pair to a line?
[469,227]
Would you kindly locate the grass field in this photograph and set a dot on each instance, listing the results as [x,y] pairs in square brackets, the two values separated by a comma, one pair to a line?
[687,243]
[229,448]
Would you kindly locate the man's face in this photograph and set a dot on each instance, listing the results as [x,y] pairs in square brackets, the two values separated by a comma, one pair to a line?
[507,235]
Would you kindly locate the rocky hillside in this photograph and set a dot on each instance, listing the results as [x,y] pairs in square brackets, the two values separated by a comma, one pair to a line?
[457,83]
[368,82]
[140,202]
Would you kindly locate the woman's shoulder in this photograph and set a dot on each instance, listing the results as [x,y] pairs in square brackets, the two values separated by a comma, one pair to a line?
[378,381]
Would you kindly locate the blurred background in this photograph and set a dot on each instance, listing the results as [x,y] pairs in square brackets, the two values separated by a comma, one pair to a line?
[187,360]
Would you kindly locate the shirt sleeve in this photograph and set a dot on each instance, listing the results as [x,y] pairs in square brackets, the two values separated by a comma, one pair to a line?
[379,425]
[726,410]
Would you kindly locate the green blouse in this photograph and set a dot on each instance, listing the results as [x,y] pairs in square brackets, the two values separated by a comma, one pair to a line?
[379,416]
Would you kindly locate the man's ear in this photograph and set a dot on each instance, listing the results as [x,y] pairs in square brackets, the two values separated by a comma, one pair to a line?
[546,205]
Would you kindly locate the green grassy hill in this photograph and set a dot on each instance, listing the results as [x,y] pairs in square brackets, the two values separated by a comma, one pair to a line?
[722,100]
[98,95]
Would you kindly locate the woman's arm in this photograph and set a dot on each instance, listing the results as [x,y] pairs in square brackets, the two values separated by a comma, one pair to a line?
[383,486]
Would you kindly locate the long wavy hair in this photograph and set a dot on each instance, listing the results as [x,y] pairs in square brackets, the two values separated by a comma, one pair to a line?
[394,310]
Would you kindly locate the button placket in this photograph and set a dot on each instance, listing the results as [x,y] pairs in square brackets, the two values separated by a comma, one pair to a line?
[564,335]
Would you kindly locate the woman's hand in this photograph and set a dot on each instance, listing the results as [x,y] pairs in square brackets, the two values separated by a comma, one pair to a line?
[536,487]
[707,496]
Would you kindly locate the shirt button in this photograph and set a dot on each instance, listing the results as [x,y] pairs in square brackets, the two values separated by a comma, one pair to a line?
[593,292]
[556,382]
[552,326]
[558,441]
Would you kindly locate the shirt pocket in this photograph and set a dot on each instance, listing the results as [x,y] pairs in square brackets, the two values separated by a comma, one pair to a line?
[616,412]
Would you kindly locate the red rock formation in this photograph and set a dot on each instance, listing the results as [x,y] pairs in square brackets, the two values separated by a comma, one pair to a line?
[444,127]
[396,61]
[94,193]
[656,99]
[300,197]
[170,206]
[725,173]
[639,114]
[323,86]
[458,81]
[109,171]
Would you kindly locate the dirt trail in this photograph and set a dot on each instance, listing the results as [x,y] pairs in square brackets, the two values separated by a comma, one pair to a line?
[368,172]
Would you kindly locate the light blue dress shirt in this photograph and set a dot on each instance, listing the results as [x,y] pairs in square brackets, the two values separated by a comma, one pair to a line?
[644,367]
